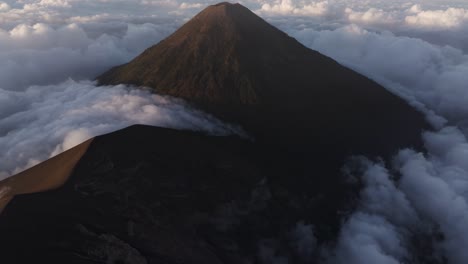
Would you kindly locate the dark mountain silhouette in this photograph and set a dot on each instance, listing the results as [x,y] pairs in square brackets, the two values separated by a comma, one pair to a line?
[147,195]
[154,195]
[178,197]
[232,63]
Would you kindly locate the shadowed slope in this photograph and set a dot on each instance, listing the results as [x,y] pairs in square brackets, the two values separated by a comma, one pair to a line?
[154,195]
[232,63]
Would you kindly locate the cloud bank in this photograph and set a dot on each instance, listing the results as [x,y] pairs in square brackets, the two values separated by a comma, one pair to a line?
[43,121]
[43,111]
[421,197]
[39,54]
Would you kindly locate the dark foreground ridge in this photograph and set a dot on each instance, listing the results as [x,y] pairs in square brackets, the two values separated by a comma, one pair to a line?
[233,64]
[178,197]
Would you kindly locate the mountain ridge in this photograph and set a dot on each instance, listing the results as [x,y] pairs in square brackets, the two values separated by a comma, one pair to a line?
[181,197]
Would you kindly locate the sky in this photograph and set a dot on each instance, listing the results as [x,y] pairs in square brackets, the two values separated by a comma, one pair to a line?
[51,50]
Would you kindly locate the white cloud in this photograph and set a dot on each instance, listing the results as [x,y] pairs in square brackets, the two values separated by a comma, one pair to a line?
[377,231]
[4,6]
[437,19]
[289,7]
[185,5]
[430,195]
[370,16]
[437,185]
[40,54]
[46,120]
[55,3]
[163,3]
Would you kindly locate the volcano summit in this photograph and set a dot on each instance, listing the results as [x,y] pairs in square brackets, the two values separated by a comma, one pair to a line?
[233,64]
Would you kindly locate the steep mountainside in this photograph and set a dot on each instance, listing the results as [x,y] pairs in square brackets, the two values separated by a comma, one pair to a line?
[232,63]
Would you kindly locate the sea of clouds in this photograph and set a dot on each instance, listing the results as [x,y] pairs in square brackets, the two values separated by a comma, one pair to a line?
[51,50]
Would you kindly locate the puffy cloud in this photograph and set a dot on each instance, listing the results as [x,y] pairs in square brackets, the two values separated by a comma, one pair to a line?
[428,195]
[371,16]
[55,3]
[58,12]
[428,184]
[4,6]
[43,121]
[437,185]
[289,7]
[41,54]
[437,19]
[377,232]
[185,5]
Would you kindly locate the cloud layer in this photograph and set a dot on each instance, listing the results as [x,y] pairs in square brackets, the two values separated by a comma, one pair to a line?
[422,196]
[40,54]
[43,111]
[43,121]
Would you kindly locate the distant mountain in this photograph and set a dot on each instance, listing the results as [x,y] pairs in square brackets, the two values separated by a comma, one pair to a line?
[232,63]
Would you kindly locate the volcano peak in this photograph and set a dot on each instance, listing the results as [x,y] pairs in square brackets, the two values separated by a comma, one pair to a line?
[232,63]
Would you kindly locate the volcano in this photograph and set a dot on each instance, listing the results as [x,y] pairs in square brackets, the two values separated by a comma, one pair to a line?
[156,195]
[232,63]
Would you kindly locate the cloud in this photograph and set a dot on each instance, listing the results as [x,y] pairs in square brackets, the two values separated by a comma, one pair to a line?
[54,3]
[438,187]
[43,121]
[43,114]
[41,54]
[185,5]
[372,16]
[58,12]
[4,7]
[437,19]
[423,194]
[289,7]
[377,231]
